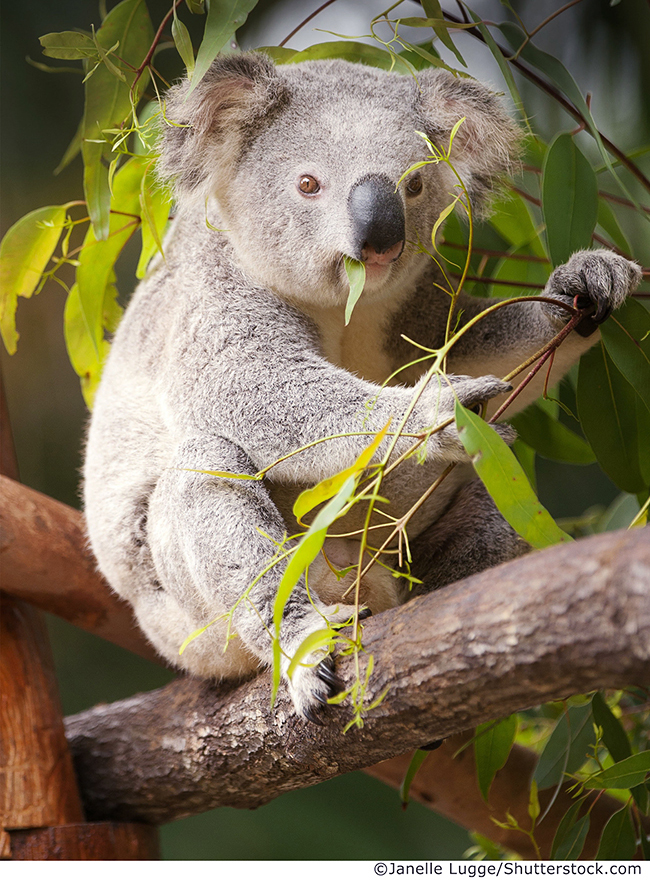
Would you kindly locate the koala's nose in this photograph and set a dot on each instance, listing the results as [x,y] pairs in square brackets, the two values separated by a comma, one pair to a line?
[377,216]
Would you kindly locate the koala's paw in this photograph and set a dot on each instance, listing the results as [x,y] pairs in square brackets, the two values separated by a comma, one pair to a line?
[315,680]
[472,393]
[601,279]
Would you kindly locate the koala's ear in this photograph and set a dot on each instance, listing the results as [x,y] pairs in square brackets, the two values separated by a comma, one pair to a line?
[488,143]
[204,129]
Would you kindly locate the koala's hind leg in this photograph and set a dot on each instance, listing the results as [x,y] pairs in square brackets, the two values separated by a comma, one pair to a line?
[210,539]
[469,537]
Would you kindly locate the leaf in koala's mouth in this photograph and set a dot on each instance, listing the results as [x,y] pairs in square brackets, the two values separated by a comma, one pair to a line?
[356,272]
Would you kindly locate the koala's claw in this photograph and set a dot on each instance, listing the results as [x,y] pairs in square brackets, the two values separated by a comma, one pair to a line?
[325,671]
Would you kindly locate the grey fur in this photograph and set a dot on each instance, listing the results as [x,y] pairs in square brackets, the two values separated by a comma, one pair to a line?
[233,353]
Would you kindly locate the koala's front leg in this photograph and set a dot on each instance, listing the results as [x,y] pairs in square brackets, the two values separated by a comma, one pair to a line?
[210,538]
[506,337]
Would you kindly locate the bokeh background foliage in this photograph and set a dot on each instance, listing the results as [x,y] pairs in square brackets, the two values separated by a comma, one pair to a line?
[600,44]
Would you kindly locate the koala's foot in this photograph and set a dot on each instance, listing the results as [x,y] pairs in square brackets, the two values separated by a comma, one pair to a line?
[314,680]
[601,279]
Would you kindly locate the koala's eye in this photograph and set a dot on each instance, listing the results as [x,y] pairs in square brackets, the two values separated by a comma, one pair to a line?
[308,185]
[414,186]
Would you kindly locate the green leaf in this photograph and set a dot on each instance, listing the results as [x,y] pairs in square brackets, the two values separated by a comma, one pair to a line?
[526,458]
[614,737]
[607,220]
[567,822]
[569,199]
[572,844]
[418,759]
[356,272]
[24,254]
[566,749]
[350,50]
[97,257]
[627,773]
[432,9]
[513,221]
[196,6]
[85,360]
[618,840]
[626,335]
[223,19]
[500,60]
[108,102]
[550,438]
[183,43]
[608,416]
[69,45]
[492,746]
[314,642]
[72,150]
[329,487]
[308,549]
[506,481]
[155,203]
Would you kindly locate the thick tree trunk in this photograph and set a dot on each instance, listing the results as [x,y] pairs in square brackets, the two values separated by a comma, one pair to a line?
[568,620]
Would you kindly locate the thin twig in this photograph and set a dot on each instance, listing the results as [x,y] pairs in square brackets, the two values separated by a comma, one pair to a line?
[551,17]
[155,42]
[306,21]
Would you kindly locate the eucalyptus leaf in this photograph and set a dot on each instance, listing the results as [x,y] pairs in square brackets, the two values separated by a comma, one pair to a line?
[608,221]
[433,10]
[627,773]
[618,840]
[356,272]
[308,549]
[108,102]
[223,19]
[492,746]
[183,43]
[567,823]
[574,841]
[569,199]
[327,488]
[616,742]
[497,54]
[155,204]
[551,438]
[514,223]
[626,335]
[506,481]
[418,759]
[86,361]
[614,737]
[566,749]
[351,50]
[607,409]
[24,254]
[68,45]
[97,258]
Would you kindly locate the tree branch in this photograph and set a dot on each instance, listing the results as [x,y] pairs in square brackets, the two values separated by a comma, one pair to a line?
[570,619]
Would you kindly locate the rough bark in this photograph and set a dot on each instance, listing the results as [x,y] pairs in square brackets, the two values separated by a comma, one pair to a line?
[567,620]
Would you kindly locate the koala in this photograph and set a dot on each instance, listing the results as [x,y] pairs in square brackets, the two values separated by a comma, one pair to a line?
[234,352]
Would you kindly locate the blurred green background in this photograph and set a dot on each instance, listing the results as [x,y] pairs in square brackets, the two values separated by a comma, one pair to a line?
[354,816]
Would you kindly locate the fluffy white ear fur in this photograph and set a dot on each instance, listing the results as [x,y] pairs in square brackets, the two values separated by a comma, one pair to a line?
[487,145]
[204,129]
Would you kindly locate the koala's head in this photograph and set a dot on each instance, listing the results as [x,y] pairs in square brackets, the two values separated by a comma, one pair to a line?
[304,160]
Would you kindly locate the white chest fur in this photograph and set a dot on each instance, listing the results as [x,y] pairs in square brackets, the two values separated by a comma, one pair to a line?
[359,347]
